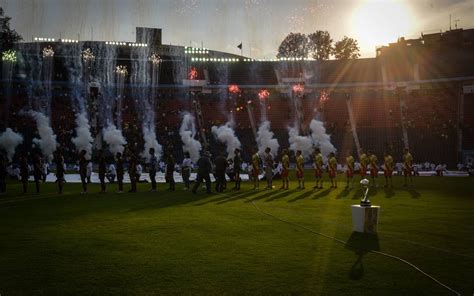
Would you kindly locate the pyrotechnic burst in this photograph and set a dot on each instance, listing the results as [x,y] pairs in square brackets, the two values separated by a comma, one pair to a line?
[233,88]
[263,94]
[48,52]
[193,74]
[323,96]
[87,55]
[155,58]
[298,89]
[121,70]
[9,56]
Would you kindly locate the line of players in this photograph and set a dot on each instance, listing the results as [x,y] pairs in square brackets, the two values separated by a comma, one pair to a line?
[205,167]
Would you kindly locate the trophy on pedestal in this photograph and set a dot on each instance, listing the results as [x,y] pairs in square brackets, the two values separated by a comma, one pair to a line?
[365,202]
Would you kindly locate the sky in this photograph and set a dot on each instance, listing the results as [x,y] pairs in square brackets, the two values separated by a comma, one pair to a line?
[223,24]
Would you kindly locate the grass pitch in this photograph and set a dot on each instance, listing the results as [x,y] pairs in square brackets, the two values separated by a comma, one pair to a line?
[234,243]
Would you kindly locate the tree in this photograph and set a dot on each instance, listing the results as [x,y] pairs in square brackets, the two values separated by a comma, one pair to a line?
[346,49]
[8,36]
[320,45]
[293,46]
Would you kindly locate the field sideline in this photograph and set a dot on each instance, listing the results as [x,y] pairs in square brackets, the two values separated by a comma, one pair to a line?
[236,242]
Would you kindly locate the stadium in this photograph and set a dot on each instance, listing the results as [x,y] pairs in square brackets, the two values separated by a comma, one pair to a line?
[109,97]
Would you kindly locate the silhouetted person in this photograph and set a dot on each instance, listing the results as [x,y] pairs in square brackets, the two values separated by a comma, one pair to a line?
[3,174]
[170,164]
[59,162]
[204,169]
[221,167]
[186,170]
[152,164]
[83,170]
[132,172]
[268,159]
[102,170]
[24,172]
[120,171]
[237,166]
[38,171]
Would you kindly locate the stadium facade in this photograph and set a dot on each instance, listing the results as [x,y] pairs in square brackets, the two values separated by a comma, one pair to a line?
[415,93]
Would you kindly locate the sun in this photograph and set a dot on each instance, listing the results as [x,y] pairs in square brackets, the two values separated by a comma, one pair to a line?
[379,22]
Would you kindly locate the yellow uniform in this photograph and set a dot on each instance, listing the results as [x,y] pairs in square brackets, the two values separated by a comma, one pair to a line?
[363,164]
[300,167]
[350,166]
[285,161]
[318,165]
[388,164]
[332,167]
[374,169]
[255,165]
[407,163]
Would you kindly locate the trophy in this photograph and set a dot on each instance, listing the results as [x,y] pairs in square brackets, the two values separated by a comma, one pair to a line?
[365,202]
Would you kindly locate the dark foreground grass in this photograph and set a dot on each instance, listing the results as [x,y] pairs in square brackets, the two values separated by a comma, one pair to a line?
[179,243]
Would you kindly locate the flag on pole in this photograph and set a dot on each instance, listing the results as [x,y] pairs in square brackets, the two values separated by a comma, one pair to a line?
[240,45]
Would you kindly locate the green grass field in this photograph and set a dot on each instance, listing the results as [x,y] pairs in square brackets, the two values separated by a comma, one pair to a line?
[234,243]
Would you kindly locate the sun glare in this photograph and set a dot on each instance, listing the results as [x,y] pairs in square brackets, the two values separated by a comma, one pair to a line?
[379,22]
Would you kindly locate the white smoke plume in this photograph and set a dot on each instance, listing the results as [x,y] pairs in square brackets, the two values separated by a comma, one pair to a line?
[9,140]
[187,131]
[83,139]
[265,138]
[114,138]
[298,142]
[226,135]
[47,141]
[149,136]
[320,138]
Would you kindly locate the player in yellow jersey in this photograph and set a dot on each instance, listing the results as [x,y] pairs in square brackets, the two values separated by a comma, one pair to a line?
[407,166]
[300,169]
[388,169]
[374,168]
[332,169]
[363,163]
[350,170]
[285,162]
[318,168]
[255,169]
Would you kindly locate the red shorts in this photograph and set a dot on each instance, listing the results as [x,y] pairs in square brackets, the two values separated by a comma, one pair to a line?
[299,174]
[374,172]
[350,173]
[318,173]
[387,173]
[332,174]
[255,172]
[284,173]
[363,171]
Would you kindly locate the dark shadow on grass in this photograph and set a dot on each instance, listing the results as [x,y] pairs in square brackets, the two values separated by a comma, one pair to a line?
[242,195]
[358,194]
[302,196]
[322,193]
[263,196]
[169,201]
[344,193]
[361,244]
[389,192]
[279,195]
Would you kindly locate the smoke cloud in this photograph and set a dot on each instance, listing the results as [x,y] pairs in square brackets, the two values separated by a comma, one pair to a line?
[9,140]
[149,136]
[298,142]
[47,141]
[226,135]
[83,139]
[320,138]
[187,132]
[265,138]
[114,138]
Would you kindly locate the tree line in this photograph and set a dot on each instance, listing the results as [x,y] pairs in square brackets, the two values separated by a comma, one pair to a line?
[319,46]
